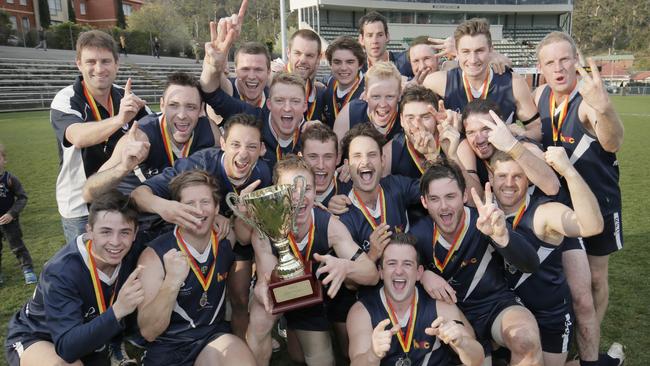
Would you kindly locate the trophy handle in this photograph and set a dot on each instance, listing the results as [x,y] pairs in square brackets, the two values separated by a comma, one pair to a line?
[232,200]
[301,197]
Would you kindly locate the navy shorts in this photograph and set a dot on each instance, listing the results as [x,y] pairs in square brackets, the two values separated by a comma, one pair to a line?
[17,344]
[243,252]
[610,240]
[339,306]
[481,317]
[180,353]
[313,318]
[556,332]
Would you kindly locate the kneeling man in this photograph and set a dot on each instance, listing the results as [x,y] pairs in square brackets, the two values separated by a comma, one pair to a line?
[399,324]
[182,315]
[85,292]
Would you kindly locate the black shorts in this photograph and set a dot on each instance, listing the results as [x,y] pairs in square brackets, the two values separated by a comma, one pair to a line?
[243,252]
[482,317]
[571,244]
[610,240]
[339,306]
[17,344]
[556,332]
[313,318]
[181,353]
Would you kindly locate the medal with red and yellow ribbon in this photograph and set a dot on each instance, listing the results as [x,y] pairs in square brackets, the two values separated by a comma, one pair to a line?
[97,284]
[366,213]
[519,215]
[204,280]
[294,140]
[557,128]
[405,340]
[484,89]
[309,89]
[458,238]
[353,89]
[93,105]
[310,243]
[168,140]
[418,158]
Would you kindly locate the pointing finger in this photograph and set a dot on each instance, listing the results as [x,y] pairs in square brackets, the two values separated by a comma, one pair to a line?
[383,324]
[242,10]
[127,87]
[134,275]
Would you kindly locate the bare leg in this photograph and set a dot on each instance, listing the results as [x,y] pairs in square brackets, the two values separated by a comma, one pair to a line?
[293,347]
[225,350]
[317,347]
[554,359]
[238,292]
[43,354]
[578,274]
[516,328]
[258,335]
[599,284]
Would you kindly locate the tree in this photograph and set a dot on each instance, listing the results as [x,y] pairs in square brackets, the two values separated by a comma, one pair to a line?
[121,20]
[71,14]
[44,13]
[160,18]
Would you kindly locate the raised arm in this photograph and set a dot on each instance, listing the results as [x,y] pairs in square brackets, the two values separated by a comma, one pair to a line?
[84,134]
[130,150]
[529,156]
[585,219]
[599,111]
[452,328]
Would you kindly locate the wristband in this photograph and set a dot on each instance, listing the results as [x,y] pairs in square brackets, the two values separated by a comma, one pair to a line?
[517,150]
[531,119]
[357,254]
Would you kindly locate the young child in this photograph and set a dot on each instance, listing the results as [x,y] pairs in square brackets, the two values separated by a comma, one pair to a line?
[12,200]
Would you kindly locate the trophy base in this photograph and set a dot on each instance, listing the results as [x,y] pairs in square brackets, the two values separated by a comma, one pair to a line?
[295,293]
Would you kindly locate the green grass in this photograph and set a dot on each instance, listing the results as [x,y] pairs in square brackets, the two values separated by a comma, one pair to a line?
[32,155]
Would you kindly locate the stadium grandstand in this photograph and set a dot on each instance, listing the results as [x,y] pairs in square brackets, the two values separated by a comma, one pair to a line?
[516,25]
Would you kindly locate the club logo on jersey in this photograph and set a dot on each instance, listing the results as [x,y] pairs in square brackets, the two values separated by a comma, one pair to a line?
[567,139]
[509,267]
[468,261]
[222,277]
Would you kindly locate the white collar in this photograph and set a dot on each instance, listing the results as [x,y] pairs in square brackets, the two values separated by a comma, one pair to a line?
[109,280]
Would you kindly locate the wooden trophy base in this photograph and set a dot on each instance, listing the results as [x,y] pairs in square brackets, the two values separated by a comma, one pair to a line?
[295,293]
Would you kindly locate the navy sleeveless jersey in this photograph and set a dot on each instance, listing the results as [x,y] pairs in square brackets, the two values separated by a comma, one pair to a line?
[597,167]
[399,192]
[64,310]
[546,290]
[475,270]
[189,320]
[425,349]
[157,160]
[400,61]
[318,104]
[330,98]
[313,317]
[500,92]
[359,114]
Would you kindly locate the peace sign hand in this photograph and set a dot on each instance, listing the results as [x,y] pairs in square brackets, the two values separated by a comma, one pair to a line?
[592,89]
[491,220]
[222,36]
[499,136]
[135,151]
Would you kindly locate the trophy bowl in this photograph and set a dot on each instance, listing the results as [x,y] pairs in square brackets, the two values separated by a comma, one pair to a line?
[272,212]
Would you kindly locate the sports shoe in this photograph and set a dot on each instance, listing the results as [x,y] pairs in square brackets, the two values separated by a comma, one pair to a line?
[617,353]
[30,277]
[119,357]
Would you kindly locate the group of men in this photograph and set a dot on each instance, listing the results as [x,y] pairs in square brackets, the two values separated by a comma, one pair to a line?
[442,230]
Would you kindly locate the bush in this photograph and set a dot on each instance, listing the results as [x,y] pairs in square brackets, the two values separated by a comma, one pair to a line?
[58,36]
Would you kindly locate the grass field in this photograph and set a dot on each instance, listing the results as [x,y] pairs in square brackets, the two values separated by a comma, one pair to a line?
[32,156]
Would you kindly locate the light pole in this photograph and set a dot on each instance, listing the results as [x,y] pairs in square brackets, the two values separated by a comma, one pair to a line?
[283,31]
